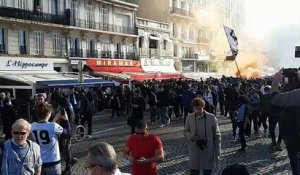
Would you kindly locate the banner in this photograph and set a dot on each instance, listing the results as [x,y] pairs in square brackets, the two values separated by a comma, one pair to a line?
[233,42]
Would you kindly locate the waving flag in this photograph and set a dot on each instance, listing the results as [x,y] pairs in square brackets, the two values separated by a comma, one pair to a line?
[233,42]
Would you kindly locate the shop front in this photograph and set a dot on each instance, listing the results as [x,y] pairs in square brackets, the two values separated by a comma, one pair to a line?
[115,69]
[160,68]
[24,76]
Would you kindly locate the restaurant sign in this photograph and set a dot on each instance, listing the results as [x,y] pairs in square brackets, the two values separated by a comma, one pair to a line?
[28,64]
[113,63]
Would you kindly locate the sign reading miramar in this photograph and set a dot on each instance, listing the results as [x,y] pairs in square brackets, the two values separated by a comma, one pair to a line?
[117,63]
[28,64]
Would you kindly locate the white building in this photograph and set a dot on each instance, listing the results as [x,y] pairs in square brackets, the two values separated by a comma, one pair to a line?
[63,30]
[34,29]
[102,29]
[155,46]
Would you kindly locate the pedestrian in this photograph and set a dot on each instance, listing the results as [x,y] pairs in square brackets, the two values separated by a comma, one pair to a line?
[39,98]
[254,109]
[274,119]
[19,155]
[102,160]
[144,150]
[2,104]
[9,117]
[65,141]
[163,103]
[46,134]
[187,98]
[202,132]
[242,119]
[152,100]
[137,113]
[265,107]
[86,112]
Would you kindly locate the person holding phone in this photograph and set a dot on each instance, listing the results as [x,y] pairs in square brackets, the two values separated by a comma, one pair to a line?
[46,135]
[144,150]
[65,140]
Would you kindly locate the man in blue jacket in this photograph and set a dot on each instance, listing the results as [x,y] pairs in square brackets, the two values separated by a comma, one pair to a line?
[19,155]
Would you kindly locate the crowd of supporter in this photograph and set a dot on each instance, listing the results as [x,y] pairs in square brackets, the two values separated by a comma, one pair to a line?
[247,102]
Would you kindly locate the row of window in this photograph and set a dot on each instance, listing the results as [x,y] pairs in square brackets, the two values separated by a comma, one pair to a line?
[23,42]
[187,5]
[75,43]
[188,33]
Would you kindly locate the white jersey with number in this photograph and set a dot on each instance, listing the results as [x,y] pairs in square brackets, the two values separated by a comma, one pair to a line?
[46,135]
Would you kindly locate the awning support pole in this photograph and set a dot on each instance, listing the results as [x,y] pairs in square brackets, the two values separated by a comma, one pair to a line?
[130,84]
[33,90]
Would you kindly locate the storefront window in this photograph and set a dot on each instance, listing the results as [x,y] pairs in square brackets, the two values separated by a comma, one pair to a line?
[213,67]
[188,66]
[201,67]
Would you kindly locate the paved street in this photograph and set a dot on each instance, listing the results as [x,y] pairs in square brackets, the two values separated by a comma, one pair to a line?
[258,158]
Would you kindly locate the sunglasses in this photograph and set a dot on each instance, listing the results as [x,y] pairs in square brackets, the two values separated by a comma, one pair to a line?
[19,133]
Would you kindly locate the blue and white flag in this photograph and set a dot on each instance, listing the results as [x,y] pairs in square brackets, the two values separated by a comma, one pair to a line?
[232,40]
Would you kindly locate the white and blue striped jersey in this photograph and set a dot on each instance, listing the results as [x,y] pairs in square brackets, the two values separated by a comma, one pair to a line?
[46,135]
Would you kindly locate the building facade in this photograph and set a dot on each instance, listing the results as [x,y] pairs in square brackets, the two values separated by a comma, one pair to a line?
[102,30]
[34,29]
[66,31]
[155,46]
[190,39]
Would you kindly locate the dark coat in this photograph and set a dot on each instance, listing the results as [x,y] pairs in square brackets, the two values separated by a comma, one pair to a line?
[9,117]
[137,112]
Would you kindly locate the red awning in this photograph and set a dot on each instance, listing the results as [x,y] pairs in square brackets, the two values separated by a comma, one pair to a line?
[134,73]
[116,69]
[158,76]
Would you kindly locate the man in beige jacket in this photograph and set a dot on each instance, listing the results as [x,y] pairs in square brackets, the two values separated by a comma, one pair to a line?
[202,131]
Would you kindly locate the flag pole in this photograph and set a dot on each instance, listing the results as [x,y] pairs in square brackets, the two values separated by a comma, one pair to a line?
[239,72]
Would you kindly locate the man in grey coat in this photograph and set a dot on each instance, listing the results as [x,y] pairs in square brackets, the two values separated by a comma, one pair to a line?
[202,131]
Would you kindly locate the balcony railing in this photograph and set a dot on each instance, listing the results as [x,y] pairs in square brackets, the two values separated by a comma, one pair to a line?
[103,26]
[105,54]
[181,11]
[118,55]
[35,15]
[202,40]
[150,52]
[189,56]
[92,53]
[132,56]
[75,53]
[23,50]
[131,1]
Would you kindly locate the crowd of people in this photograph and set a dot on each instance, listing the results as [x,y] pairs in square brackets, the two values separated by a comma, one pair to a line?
[249,103]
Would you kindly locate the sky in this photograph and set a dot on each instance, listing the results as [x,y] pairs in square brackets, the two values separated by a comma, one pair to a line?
[276,23]
[262,16]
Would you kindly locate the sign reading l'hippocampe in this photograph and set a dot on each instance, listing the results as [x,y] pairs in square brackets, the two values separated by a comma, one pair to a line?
[25,64]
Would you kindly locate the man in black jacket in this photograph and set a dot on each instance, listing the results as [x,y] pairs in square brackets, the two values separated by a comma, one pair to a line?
[152,100]
[163,104]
